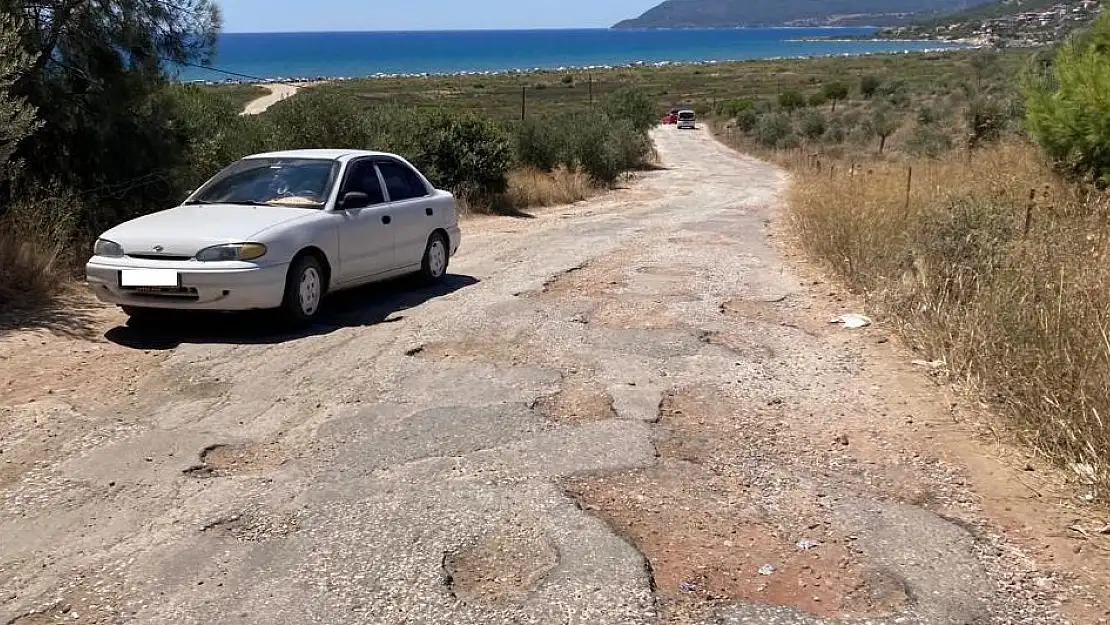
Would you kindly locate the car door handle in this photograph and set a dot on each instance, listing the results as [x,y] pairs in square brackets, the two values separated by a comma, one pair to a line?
[386,219]
[428,212]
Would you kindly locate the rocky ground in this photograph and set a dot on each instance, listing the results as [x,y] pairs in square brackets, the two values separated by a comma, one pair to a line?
[631,410]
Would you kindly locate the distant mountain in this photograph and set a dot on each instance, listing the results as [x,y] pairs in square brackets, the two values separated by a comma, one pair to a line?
[732,13]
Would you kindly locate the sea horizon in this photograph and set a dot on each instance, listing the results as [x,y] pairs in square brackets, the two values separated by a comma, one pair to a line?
[269,56]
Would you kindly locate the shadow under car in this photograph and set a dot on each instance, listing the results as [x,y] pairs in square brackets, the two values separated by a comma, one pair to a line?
[364,306]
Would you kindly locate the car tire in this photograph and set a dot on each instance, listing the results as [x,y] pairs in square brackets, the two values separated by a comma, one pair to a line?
[437,256]
[304,289]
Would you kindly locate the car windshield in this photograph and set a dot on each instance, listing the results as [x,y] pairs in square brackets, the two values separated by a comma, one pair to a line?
[299,182]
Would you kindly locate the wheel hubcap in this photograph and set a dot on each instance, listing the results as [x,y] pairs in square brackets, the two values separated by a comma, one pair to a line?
[437,258]
[310,290]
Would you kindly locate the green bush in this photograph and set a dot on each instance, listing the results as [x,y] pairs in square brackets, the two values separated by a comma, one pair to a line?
[818,99]
[463,152]
[790,100]
[634,106]
[1068,111]
[928,140]
[730,109]
[538,143]
[986,120]
[813,125]
[217,134]
[595,152]
[835,133]
[746,120]
[868,85]
[320,118]
[774,130]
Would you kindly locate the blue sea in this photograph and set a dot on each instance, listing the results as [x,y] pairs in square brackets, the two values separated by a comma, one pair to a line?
[359,54]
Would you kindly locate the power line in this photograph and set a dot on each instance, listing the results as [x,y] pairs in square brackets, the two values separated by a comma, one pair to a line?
[229,72]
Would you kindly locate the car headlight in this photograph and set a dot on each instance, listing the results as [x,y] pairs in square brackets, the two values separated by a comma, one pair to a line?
[232,251]
[104,247]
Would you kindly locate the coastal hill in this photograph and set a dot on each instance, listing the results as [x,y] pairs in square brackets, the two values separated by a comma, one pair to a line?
[1005,22]
[733,13]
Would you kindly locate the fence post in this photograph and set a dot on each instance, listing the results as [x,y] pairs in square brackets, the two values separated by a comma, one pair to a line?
[1029,211]
[909,185]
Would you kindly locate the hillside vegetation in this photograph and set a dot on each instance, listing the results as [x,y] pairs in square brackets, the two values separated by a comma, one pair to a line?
[732,13]
[976,221]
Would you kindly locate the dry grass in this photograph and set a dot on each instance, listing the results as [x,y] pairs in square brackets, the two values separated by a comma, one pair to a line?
[31,265]
[530,187]
[1013,293]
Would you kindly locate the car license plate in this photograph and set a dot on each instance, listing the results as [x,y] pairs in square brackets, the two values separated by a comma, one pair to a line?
[149,277]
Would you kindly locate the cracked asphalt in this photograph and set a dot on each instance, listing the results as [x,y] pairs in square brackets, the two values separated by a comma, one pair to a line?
[449,455]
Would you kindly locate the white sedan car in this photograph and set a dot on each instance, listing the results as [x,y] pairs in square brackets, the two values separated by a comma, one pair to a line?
[280,230]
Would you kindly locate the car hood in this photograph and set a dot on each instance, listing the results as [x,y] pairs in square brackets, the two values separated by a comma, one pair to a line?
[185,230]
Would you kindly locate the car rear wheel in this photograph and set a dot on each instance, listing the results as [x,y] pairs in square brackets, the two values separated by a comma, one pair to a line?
[436,259]
[304,289]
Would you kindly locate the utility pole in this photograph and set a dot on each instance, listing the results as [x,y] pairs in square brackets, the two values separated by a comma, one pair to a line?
[523,101]
[590,77]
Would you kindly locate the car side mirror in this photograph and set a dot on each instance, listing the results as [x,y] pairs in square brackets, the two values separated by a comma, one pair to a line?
[354,199]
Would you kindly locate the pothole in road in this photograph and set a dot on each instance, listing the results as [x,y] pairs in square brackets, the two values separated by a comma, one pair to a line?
[509,350]
[499,569]
[635,314]
[752,349]
[251,527]
[586,280]
[701,519]
[707,549]
[578,401]
[756,309]
[237,459]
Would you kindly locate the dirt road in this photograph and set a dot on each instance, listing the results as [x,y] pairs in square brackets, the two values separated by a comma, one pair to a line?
[278,92]
[632,410]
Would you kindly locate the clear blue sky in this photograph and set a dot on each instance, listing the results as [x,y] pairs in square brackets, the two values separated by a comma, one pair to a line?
[307,15]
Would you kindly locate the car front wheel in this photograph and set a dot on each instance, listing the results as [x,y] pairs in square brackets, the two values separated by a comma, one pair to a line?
[436,259]
[137,316]
[304,289]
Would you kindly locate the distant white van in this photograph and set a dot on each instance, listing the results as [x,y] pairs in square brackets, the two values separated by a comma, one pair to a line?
[686,119]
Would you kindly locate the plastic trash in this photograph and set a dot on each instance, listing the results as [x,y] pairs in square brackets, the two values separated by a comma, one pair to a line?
[852,321]
[687,587]
[767,569]
[807,544]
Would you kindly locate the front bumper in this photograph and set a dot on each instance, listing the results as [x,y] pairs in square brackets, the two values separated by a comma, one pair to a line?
[454,235]
[220,286]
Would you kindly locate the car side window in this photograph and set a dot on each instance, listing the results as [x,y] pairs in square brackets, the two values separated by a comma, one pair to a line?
[402,182]
[362,177]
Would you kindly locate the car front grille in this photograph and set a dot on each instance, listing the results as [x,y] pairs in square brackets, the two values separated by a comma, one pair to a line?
[159,257]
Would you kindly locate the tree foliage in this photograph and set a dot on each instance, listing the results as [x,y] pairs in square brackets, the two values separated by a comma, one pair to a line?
[881,123]
[98,83]
[791,100]
[17,116]
[835,92]
[868,85]
[1068,111]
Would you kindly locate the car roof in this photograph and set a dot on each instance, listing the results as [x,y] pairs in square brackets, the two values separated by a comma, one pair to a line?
[685,111]
[331,155]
